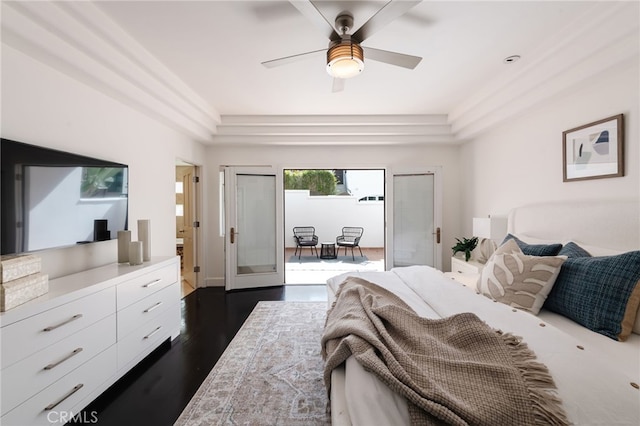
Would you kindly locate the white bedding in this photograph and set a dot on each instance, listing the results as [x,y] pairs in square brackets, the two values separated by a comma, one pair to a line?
[594,382]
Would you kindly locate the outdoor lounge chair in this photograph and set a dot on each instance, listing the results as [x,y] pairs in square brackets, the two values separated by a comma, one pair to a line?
[305,236]
[350,238]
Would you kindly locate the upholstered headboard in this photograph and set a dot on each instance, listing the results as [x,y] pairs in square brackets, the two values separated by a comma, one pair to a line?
[609,224]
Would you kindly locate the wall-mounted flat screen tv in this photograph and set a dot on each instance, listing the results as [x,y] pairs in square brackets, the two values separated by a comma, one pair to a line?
[54,199]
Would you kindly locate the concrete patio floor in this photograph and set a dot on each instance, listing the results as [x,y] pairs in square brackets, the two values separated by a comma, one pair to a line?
[310,269]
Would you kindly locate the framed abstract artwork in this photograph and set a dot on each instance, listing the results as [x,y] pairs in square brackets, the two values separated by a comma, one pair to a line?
[594,151]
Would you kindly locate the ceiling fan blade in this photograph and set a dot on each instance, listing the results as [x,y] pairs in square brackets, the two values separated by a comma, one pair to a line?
[311,12]
[392,58]
[293,58]
[388,13]
[338,85]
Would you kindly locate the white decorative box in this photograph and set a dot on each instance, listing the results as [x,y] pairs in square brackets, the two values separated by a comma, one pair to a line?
[17,292]
[13,267]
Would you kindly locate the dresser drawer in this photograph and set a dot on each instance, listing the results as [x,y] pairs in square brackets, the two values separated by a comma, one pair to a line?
[146,309]
[146,337]
[39,331]
[56,401]
[138,288]
[29,376]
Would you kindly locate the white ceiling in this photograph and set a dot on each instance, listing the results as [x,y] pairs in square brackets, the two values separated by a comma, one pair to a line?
[216,48]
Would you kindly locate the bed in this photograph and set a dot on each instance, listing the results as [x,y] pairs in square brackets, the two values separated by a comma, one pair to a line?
[596,374]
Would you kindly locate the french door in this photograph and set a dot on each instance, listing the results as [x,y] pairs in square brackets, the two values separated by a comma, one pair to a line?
[414,218]
[253,237]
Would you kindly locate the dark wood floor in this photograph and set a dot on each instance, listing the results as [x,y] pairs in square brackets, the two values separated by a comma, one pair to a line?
[158,389]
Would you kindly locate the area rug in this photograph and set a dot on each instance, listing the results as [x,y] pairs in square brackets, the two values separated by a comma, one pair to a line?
[270,374]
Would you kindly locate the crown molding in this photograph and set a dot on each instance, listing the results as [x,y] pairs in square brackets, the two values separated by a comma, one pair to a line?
[77,39]
[337,140]
[333,130]
[336,120]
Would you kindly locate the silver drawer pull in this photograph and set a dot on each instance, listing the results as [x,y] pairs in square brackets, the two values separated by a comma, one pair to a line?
[157,305]
[57,363]
[53,327]
[152,283]
[53,405]
[148,336]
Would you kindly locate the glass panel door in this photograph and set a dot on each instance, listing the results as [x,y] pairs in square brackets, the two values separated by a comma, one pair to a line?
[254,228]
[256,225]
[413,213]
[413,239]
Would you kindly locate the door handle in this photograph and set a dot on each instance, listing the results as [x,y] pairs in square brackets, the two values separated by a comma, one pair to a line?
[437,234]
[232,237]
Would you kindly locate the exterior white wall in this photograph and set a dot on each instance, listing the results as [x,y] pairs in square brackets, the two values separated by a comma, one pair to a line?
[328,214]
[42,106]
[520,162]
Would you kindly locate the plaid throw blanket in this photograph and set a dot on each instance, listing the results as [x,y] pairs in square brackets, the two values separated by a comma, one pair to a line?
[455,370]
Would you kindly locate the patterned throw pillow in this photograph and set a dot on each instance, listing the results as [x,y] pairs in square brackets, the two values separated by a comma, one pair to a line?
[535,249]
[519,280]
[600,293]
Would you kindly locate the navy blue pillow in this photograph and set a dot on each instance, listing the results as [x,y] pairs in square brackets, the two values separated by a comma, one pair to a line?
[572,250]
[535,249]
[600,293]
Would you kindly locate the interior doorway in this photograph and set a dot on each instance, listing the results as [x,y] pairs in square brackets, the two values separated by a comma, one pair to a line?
[187,224]
[329,200]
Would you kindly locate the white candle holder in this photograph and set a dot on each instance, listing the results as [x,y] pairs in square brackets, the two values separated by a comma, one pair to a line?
[135,253]
[144,235]
[124,238]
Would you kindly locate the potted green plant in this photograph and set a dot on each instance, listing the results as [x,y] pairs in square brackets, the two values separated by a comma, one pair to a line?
[466,245]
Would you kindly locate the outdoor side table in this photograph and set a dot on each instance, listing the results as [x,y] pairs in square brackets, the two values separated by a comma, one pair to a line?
[328,251]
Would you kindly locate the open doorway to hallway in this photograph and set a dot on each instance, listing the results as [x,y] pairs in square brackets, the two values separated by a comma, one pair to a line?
[187,224]
[329,201]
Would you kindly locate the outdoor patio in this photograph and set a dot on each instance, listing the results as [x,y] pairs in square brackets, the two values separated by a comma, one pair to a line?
[310,269]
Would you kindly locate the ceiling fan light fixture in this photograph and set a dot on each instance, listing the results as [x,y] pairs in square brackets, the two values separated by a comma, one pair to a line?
[345,60]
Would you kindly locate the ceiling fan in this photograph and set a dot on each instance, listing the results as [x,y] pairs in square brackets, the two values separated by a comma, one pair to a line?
[345,54]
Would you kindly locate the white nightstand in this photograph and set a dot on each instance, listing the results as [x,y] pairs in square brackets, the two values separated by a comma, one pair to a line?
[470,267]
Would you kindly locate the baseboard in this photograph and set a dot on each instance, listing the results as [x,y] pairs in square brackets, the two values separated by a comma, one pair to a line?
[214,282]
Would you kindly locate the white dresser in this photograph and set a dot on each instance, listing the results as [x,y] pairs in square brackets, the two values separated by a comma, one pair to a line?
[63,349]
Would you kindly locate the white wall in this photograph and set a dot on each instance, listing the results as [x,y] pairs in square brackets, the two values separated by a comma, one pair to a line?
[520,162]
[42,106]
[329,213]
[334,157]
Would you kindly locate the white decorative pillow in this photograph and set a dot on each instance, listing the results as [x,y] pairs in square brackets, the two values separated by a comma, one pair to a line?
[519,280]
